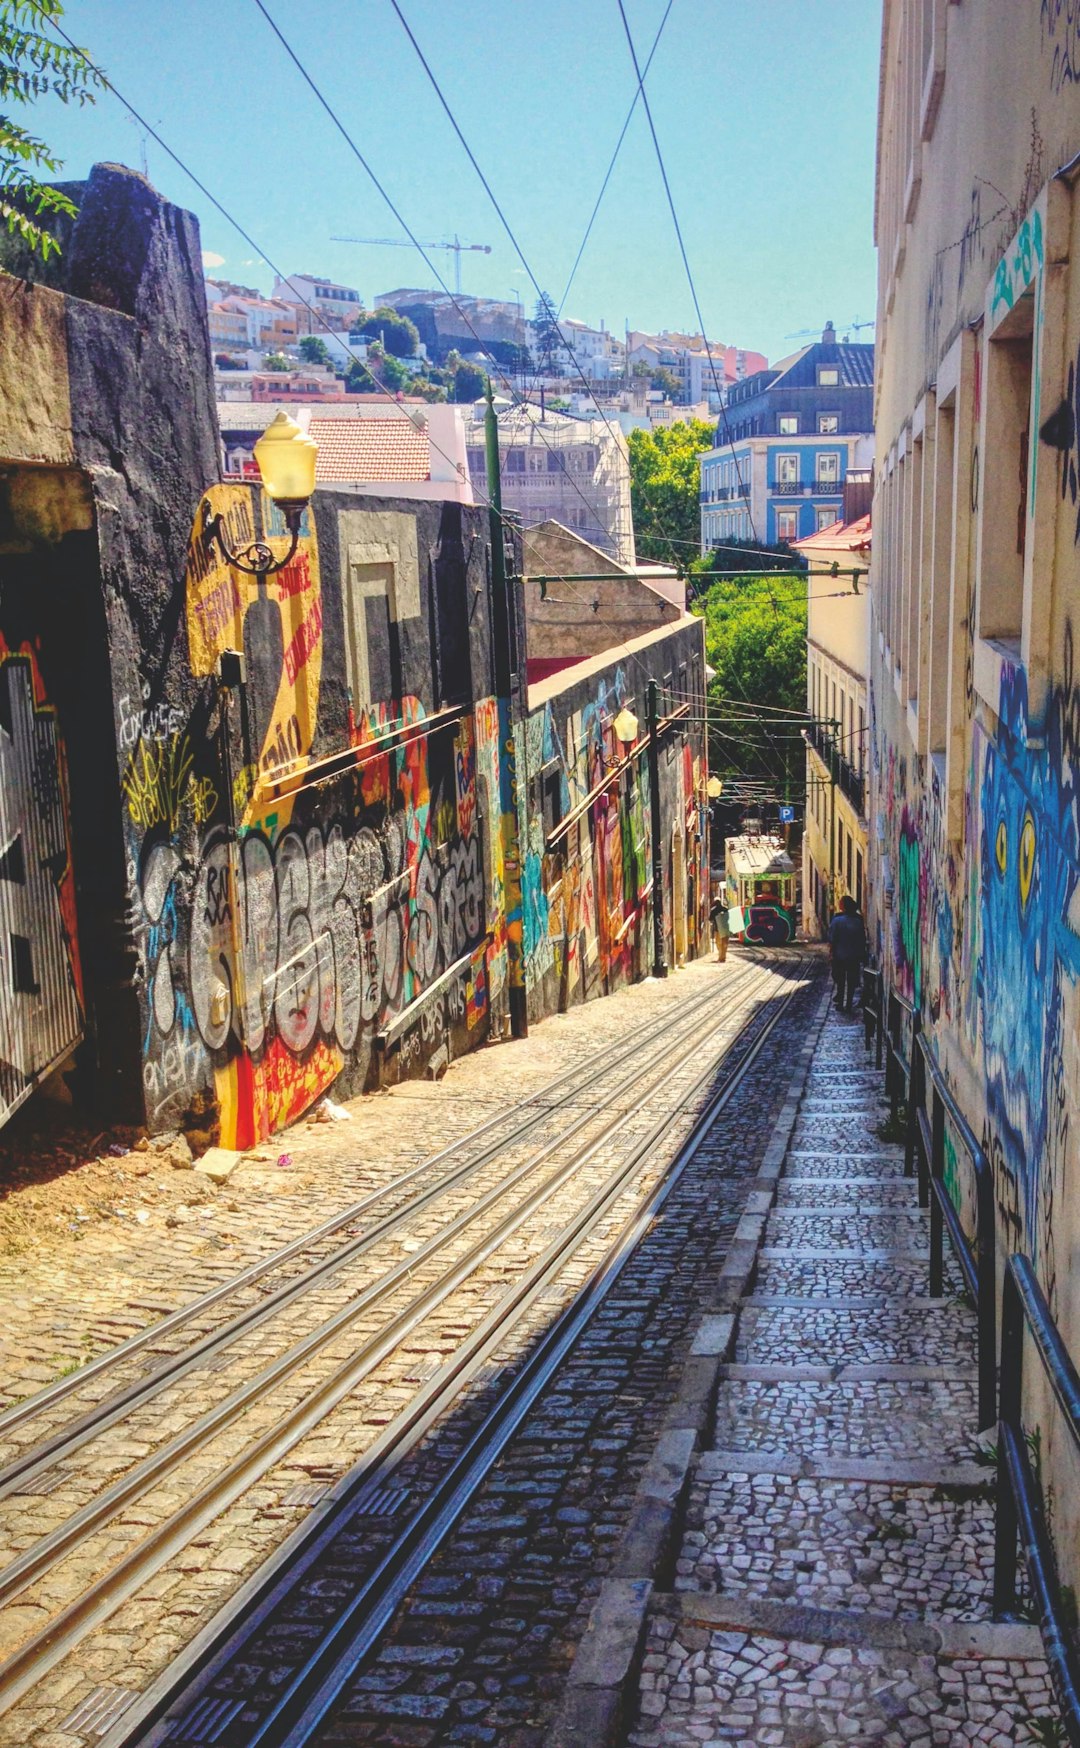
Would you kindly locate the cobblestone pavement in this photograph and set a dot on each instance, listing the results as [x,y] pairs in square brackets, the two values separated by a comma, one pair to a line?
[479,1652]
[833,1579]
[605,1408]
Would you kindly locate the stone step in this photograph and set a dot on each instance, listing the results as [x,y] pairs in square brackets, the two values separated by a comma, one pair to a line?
[837,1195]
[886,1163]
[922,1331]
[849,1228]
[899,1419]
[750,1673]
[893,1547]
[843,1132]
[809,1274]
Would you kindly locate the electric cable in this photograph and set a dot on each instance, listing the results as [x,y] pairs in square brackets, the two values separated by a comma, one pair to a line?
[614,159]
[682,250]
[503,220]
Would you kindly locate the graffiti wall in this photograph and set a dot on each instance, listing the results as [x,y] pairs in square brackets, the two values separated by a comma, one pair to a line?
[319,872]
[585,823]
[41,1015]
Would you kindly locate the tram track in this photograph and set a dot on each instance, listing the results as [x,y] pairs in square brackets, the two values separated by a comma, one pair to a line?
[32,1461]
[124,1576]
[192,1702]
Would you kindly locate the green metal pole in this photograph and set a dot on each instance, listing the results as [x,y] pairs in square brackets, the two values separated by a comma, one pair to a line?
[509,775]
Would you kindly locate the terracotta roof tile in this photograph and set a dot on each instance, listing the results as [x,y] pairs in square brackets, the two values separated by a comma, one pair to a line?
[390,449]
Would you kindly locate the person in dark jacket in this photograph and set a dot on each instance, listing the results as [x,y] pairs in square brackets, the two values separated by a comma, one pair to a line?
[721,928]
[847,949]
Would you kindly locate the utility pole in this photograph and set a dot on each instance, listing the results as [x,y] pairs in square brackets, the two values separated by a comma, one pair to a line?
[509,776]
[659,951]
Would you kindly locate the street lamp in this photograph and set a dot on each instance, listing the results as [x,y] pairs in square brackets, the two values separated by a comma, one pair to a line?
[625,727]
[714,788]
[286,460]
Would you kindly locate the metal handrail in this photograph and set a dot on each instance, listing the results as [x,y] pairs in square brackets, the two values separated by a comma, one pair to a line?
[915,1080]
[976,1260]
[1021,1516]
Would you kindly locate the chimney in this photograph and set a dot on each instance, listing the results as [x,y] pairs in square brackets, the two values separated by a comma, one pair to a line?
[828,338]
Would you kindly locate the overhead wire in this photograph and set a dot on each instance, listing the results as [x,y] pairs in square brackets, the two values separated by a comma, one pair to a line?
[614,159]
[414,240]
[312,309]
[682,248]
[489,191]
[252,243]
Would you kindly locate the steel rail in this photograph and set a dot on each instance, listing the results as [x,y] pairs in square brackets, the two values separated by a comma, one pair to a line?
[32,1659]
[44,1553]
[312,1692]
[70,1437]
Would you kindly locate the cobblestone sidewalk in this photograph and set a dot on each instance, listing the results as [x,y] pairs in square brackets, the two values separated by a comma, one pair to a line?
[833,1582]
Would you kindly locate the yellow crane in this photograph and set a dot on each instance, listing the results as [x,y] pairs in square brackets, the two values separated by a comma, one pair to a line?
[457,249]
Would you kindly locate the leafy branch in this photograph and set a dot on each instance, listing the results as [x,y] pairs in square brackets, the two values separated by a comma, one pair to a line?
[34,65]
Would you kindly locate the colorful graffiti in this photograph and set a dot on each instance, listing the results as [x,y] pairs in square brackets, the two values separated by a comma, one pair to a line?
[293,946]
[909,909]
[1028,850]
[41,1016]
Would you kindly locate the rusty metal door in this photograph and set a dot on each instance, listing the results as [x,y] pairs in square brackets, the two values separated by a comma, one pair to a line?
[41,1005]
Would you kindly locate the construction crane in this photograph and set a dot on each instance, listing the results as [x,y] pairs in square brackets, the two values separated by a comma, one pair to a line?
[457,249]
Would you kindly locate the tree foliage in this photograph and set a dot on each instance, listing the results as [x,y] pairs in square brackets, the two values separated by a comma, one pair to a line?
[468,382]
[386,369]
[664,487]
[313,350]
[658,376]
[32,65]
[755,639]
[397,334]
[546,331]
[277,362]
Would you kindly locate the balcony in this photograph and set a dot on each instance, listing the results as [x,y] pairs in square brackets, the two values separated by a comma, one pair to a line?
[829,488]
[848,780]
[788,488]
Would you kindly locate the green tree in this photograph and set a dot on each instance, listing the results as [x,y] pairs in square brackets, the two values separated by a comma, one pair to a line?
[755,639]
[468,382]
[546,330]
[396,333]
[33,64]
[658,376]
[313,350]
[387,370]
[276,361]
[664,489]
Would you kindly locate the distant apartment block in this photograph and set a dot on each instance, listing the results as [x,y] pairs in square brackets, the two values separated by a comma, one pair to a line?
[319,303]
[704,369]
[786,441]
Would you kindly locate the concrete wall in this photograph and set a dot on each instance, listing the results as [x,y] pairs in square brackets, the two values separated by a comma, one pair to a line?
[975,808]
[569,621]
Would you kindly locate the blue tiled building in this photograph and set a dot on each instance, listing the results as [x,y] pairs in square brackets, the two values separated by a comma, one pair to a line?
[785,444]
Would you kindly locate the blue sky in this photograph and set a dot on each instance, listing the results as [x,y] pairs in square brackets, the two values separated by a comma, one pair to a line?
[765,111]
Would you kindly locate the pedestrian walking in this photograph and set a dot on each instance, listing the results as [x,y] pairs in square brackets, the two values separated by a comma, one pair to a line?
[847,949]
[721,927]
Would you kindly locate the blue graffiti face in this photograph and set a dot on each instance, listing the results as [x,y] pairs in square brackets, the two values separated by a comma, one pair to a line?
[1028,855]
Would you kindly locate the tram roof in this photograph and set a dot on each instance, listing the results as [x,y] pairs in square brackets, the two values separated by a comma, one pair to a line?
[753,856]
